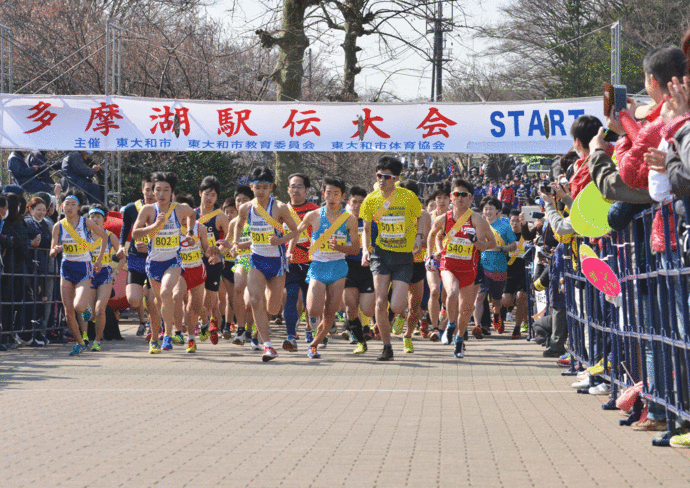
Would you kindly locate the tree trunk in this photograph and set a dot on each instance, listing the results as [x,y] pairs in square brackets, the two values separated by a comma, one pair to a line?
[353,30]
[288,76]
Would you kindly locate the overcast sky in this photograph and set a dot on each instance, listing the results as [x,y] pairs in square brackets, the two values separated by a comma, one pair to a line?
[409,77]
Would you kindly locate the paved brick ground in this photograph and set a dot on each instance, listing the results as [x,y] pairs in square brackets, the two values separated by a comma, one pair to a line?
[503,416]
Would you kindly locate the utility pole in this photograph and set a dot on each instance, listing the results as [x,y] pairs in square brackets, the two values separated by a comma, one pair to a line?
[437,25]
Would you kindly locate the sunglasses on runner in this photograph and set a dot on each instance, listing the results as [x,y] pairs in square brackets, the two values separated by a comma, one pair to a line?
[461,194]
[383,176]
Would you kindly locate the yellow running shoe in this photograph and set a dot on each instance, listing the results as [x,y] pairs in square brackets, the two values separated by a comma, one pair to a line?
[361,348]
[204,333]
[407,345]
[154,347]
[191,347]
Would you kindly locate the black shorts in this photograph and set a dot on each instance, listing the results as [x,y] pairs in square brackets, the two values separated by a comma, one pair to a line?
[487,285]
[418,273]
[297,273]
[359,277]
[228,274]
[213,276]
[396,264]
[137,278]
[517,281]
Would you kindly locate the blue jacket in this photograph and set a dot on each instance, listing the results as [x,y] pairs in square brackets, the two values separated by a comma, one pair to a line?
[556,272]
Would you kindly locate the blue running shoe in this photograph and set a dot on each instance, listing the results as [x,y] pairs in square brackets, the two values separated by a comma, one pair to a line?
[312,354]
[86,314]
[308,336]
[77,349]
[167,343]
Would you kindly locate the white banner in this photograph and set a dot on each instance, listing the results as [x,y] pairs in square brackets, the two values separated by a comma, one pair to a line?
[100,123]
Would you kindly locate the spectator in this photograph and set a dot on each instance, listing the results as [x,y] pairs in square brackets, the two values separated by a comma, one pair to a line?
[77,173]
[31,173]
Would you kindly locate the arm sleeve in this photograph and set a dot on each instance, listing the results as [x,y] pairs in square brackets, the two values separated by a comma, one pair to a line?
[561,225]
[127,224]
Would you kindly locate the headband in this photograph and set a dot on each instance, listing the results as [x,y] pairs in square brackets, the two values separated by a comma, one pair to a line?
[73,198]
[96,210]
[262,181]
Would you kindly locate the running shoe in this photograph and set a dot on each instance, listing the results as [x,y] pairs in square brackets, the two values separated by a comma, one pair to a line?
[313,354]
[524,327]
[324,343]
[477,332]
[459,348]
[516,334]
[96,346]
[213,331]
[308,336]
[85,337]
[227,333]
[564,362]
[340,317]
[345,334]
[486,332]
[142,329]
[435,336]
[386,354]
[148,336]
[239,339]
[448,335]
[178,339]
[682,440]
[269,353]
[408,347]
[204,333]
[498,323]
[303,317]
[361,348]
[278,319]
[290,344]
[86,314]
[509,317]
[197,330]
[377,333]
[255,345]
[154,347]
[353,339]
[167,343]
[398,325]
[77,349]
[334,329]
[191,347]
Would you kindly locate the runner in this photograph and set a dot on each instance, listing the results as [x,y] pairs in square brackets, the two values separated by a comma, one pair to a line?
[416,292]
[71,237]
[241,253]
[102,282]
[516,286]
[137,285]
[433,275]
[359,284]
[459,236]
[188,294]
[216,223]
[268,261]
[161,222]
[390,214]
[298,259]
[493,272]
[227,289]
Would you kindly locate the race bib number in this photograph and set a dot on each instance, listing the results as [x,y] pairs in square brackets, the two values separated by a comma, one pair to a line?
[72,249]
[392,227]
[228,256]
[144,239]
[459,248]
[190,257]
[211,239]
[106,259]
[303,237]
[243,240]
[340,240]
[167,242]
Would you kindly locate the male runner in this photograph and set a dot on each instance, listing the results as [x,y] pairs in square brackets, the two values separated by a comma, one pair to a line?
[268,260]
[393,212]
[241,252]
[359,284]
[433,275]
[459,236]
[493,272]
[298,258]
[516,286]
[136,258]
[188,294]
[227,288]
[414,305]
[161,222]
[216,223]
[334,237]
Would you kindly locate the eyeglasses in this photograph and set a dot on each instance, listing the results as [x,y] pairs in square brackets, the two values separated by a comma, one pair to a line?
[384,176]
[461,194]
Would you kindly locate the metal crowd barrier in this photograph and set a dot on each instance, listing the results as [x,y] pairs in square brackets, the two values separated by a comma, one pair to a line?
[30,294]
[646,336]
